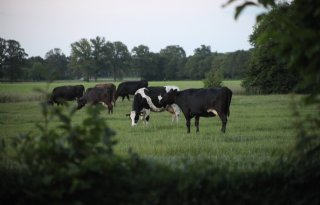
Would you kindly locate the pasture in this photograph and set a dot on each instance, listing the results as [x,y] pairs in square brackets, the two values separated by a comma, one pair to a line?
[259,129]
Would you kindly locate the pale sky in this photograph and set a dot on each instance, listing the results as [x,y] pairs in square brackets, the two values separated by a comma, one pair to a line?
[41,25]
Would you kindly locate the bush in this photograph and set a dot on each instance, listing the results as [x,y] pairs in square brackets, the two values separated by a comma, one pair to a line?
[213,79]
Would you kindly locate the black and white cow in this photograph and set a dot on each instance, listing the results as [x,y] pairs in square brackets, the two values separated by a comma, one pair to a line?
[201,103]
[148,99]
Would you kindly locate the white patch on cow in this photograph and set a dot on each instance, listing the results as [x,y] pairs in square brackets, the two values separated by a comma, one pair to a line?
[171,87]
[175,111]
[159,98]
[213,111]
[132,116]
[103,104]
[149,101]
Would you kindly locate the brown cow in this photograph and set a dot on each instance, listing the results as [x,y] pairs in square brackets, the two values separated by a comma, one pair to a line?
[112,87]
[95,96]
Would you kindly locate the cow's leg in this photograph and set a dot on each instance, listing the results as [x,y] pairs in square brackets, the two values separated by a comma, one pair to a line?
[143,117]
[147,119]
[147,116]
[128,97]
[188,118]
[110,109]
[173,117]
[224,120]
[176,110]
[114,99]
[197,122]
[188,125]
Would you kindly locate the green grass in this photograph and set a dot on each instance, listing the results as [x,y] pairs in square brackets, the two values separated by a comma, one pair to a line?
[259,129]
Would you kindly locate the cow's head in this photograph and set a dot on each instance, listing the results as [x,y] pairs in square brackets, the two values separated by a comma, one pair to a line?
[81,102]
[168,98]
[134,116]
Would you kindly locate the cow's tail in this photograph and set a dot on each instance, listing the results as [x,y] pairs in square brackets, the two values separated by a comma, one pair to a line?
[229,96]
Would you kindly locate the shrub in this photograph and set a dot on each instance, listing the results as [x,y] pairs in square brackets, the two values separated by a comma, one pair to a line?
[62,157]
[213,79]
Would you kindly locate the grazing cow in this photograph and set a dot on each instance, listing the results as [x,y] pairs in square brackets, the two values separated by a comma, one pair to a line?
[201,103]
[148,99]
[129,88]
[112,87]
[95,96]
[65,93]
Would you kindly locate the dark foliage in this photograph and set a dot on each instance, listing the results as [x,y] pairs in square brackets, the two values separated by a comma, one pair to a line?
[267,72]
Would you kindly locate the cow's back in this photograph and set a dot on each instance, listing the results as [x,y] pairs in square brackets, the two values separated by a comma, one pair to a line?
[106,85]
[130,87]
[110,88]
[199,100]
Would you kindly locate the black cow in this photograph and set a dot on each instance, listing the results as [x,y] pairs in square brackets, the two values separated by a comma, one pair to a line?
[96,95]
[201,103]
[129,88]
[148,99]
[65,93]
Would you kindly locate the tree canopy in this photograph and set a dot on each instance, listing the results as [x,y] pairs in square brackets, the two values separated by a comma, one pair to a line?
[97,57]
[12,60]
[295,34]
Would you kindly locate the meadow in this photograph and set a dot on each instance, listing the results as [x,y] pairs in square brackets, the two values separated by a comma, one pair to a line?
[259,130]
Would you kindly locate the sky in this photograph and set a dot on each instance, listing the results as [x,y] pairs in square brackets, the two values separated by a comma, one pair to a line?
[42,25]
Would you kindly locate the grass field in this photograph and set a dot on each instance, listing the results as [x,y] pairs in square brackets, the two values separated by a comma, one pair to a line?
[259,129]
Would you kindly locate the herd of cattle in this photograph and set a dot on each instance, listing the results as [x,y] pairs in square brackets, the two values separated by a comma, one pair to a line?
[201,102]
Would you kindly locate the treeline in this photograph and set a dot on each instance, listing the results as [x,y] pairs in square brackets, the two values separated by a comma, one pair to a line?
[98,58]
[263,68]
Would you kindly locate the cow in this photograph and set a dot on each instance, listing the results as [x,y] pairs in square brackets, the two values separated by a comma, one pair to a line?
[65,93]
[129,88]
[112,87]
[203,102]
[148,99]
[97,95]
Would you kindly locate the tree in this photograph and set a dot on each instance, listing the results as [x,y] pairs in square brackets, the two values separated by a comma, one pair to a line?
[174,60]
[57,64]
[236,63]
[213,79]
[296,36]
[141,59]
[3,48]
[12,59]
[81,58]
[98,55]
[199,64]
[267,73]
[119,58]
[38,72]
